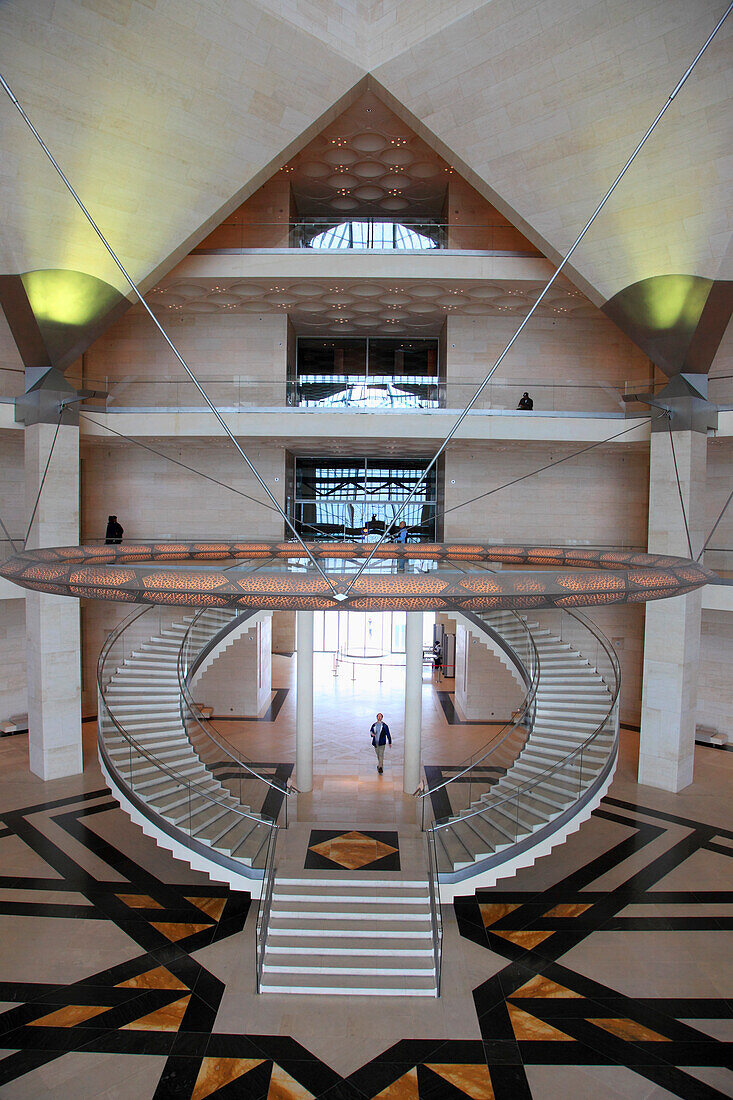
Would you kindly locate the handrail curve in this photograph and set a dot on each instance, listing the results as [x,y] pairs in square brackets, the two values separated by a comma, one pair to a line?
[184,781]
[561,764]
[436,916]
[526,707]
[186,674]
[265,908]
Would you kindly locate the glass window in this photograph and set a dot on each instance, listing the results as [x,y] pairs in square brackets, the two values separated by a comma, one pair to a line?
[373,372]
[371,234]
[339,499]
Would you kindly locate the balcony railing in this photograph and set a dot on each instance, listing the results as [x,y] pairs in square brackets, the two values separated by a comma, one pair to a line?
[416,393]
[372,234]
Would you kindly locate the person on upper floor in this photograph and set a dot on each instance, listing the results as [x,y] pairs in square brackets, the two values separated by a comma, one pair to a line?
[115,531]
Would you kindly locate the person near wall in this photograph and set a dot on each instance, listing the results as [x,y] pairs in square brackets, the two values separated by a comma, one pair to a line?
[380,738]
[115,531]
[525,402]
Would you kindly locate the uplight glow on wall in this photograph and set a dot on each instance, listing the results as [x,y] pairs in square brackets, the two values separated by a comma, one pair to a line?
[64,297]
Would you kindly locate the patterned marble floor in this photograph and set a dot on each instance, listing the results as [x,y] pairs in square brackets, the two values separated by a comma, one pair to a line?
[604,971]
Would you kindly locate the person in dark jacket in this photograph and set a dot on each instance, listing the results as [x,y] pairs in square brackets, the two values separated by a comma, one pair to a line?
[525,402]
[380,737]
[114,532]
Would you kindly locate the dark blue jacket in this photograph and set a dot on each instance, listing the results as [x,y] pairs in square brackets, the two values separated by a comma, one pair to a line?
[384,736]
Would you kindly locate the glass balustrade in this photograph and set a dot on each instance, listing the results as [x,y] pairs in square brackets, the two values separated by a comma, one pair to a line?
[180,799]
[208,631]
[372,234]
[514,807]
[333,392]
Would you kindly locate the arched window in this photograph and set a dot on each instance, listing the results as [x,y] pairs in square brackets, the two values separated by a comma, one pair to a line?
[372,234]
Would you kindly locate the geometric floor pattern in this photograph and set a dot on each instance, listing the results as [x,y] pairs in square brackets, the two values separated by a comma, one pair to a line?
[539,1010]
[353,850]
[545,1007]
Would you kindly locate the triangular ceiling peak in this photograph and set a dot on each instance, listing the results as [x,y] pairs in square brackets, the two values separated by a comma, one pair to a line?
[369,163]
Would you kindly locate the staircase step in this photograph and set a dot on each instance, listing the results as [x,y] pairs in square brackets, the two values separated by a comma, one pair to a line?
[310,928]
[356,946]
[379,962]
[354,985]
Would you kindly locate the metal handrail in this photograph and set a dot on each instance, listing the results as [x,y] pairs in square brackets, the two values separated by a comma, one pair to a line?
[265,908]
[436,916]
[507,730]
[209,730]
[184,781]
[580,749]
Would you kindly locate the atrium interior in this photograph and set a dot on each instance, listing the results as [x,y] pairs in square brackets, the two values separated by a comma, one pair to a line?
[366,571]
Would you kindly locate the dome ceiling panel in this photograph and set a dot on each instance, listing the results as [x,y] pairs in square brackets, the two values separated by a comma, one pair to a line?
[376,306]
[374,154]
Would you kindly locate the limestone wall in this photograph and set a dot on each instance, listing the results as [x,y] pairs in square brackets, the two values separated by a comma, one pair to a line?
[283,632]
[12,462]
[12,373]
[485,689]
[155,499]
[239,357]
[719,480]
[571,363]
[13,693]
[239,681]
[600,497]
[715,681]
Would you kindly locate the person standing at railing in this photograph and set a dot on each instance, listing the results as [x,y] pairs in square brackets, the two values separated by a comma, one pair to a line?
[401,539]
[115,531]
[525,402]
[380,738]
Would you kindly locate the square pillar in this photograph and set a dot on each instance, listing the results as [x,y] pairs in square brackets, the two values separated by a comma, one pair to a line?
[304,701]
[672,627]
[413,701]
[53,642]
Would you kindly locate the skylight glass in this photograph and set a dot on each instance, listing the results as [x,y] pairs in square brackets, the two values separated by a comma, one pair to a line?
[371,234]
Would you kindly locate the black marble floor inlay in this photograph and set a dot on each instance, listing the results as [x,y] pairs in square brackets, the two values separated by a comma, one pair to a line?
[353,850]
[536,1011]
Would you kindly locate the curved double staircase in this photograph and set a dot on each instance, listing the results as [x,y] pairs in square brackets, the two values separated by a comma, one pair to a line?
[187,787]
[177,778]
[544,773]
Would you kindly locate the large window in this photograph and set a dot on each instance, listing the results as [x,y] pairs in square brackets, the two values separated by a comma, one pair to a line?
[372,372]
[336,499]
[365,634]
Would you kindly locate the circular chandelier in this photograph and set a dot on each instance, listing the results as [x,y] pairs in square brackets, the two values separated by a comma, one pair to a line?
[418,577]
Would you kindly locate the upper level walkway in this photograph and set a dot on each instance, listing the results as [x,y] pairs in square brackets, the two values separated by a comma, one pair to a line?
[286,263]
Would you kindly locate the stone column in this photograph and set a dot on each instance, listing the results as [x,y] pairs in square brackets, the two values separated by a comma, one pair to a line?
[53,645]
[304,702]
[413,701]
[672,629]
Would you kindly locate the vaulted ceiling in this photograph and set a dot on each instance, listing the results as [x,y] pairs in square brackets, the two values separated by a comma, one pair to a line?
[166,115]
